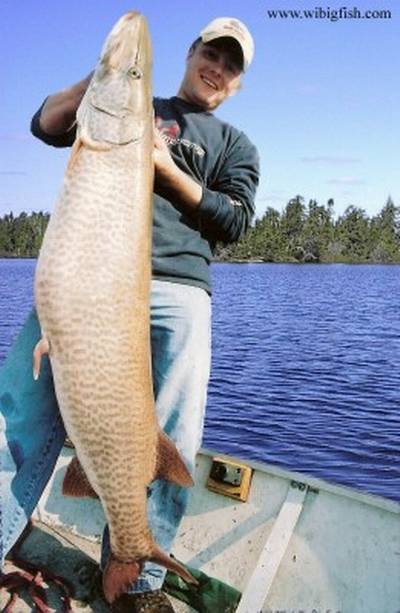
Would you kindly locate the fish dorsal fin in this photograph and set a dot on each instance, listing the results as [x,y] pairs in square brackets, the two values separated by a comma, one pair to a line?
[76,482]
[170,465]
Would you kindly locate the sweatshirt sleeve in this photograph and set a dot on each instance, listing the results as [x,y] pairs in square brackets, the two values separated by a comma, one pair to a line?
[59,140]
[227,206]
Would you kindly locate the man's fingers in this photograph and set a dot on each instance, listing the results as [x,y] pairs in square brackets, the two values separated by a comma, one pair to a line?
[159,139]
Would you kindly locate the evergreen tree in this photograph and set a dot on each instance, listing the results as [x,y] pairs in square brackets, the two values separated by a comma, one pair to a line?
[352,231]
[22,236]
[318,231]
[292,224]
[300,233]
[385,234]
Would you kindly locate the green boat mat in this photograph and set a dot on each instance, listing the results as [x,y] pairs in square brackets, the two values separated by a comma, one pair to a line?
[210,596]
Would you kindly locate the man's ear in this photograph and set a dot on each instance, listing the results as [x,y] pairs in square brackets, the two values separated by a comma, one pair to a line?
[237,88]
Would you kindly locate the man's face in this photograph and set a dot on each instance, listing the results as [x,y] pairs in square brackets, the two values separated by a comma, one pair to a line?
[212,74]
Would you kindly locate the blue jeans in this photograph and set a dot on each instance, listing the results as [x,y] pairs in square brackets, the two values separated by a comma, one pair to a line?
[32,432]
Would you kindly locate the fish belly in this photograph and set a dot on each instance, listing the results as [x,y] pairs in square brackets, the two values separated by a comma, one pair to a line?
[92,291]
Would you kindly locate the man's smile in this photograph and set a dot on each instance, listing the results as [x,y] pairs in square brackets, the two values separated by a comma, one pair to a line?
[211,76]
[208,82]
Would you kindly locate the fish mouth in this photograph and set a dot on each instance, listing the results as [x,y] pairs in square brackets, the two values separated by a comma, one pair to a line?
[127,47]
[121,85]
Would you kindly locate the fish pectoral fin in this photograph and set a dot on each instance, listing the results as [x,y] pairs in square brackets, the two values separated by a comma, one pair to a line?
[89,142]
[170,465]
[76,483]
[42,347]
[76,147]
[84,140]
[118,576]
[160,557]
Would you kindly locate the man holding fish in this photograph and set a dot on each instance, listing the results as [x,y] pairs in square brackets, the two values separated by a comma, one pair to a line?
[206,174]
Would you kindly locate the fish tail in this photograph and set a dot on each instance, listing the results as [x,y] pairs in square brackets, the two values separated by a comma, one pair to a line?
[41,349]
[119,576]
[160,557]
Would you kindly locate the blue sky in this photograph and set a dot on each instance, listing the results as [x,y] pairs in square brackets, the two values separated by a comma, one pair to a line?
[320,100]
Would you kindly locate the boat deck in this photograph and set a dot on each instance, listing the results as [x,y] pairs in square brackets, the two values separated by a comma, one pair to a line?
[296,544]
[71,557]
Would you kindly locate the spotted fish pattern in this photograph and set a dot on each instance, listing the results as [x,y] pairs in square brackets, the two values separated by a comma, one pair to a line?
[92,292]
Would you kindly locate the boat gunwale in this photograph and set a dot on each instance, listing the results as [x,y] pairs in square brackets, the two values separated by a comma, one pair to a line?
[385,504]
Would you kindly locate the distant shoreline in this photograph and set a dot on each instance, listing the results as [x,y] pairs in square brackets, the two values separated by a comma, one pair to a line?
[18,257]
[297,263]
[249,261]
[300,234]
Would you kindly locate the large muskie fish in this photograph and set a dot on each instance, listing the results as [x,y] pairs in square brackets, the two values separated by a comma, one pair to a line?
[92,290]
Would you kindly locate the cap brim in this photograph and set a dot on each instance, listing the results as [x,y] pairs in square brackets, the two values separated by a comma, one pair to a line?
[207,39]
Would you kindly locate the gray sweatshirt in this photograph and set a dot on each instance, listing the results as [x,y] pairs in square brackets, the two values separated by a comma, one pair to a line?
[218,157]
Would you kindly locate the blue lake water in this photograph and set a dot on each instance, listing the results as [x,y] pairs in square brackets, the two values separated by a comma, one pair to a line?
[306,366]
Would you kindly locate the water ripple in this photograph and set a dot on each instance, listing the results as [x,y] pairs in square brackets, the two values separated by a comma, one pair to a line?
[306,370]
[306,366]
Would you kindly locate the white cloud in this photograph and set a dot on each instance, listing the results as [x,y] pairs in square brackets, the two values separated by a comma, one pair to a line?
[346,181]
[330,159]
[12,173]
[15,136]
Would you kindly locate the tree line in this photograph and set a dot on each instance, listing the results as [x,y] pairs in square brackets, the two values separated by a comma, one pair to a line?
[310,233]
[22,235]
[301,233]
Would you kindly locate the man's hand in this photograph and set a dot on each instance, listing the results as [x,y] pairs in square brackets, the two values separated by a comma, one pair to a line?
[164,166]
[180,188]
[59,111]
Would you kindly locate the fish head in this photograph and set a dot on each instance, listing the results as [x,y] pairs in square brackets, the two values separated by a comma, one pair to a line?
[119,97]
[126,63]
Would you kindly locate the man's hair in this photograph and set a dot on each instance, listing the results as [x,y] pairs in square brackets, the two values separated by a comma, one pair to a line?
[225,42]
[194,44]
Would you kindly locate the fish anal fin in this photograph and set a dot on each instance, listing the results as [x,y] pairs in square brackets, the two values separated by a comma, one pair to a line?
[41,349]
[160,557]
[76,483]
[170,465]
[118,577]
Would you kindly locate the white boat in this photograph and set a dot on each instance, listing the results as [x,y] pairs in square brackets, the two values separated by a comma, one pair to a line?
[296,545]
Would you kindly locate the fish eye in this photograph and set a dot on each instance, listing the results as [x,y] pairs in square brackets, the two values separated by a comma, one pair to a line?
[135,72]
